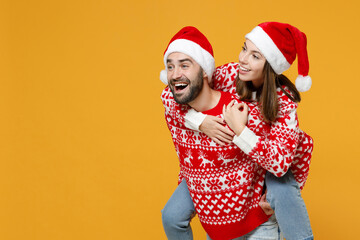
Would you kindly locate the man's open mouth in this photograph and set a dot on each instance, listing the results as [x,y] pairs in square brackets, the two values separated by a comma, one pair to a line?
[180,86]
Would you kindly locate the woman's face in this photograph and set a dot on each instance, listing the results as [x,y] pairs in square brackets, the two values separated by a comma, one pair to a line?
[251,64]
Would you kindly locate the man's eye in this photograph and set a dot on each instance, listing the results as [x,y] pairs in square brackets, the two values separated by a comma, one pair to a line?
[169,67]
[243,48]
[184,66]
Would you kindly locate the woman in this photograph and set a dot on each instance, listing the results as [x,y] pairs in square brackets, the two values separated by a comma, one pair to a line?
[266,128]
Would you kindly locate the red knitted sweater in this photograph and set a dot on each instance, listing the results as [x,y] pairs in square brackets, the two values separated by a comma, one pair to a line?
[226,183]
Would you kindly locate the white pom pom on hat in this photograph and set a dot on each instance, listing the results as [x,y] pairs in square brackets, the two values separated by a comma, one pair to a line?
[280,43]
[163,77]
[190,41]
[302,83]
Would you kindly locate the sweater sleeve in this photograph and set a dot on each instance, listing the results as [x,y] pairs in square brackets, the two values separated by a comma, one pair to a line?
[301,163]
[170,122]
[275,151]
[224,77]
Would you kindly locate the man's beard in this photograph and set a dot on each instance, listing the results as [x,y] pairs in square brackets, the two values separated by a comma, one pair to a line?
[193,92]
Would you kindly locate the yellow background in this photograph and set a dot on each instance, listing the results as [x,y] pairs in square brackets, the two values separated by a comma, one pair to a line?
[84,149]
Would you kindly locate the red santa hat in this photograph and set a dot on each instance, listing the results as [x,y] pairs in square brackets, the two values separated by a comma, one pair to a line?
[280,43]
[190,41]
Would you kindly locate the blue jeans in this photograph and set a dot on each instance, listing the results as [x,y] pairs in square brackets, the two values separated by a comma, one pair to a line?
[177,213]
[266,231]
[284,197]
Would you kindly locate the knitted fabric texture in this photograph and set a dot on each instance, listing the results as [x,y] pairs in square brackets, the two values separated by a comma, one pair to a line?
[224,80]
[224,183]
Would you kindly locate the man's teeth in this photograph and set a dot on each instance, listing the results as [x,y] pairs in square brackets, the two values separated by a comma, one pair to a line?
[244,69]
[180,85]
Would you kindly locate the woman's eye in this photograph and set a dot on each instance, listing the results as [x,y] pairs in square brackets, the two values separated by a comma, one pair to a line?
[256,57]
[243,48]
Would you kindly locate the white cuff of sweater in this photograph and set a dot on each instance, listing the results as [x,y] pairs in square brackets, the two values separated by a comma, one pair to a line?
[194,119]
[246,141]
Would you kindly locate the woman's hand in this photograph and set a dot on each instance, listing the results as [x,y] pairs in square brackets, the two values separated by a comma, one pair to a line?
[214,128]
[236,116]
[265,206]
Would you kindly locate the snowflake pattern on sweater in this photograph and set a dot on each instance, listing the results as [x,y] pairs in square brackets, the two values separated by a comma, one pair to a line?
[224,183]
[284,147]
[299,161]
[225,186]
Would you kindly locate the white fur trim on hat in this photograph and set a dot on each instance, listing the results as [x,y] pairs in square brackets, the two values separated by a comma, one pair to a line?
[269,49]
[302,83]
[196,52]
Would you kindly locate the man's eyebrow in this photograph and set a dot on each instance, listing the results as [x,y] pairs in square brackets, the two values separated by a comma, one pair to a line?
[181,60]
[185,59]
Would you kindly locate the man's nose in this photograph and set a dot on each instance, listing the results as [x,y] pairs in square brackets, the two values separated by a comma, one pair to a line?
[177,73]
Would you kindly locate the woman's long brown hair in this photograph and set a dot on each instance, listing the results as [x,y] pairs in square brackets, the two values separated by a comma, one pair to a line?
[266,95]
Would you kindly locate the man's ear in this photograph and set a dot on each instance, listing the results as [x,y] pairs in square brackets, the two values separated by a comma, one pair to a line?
[206,78]
[205,75]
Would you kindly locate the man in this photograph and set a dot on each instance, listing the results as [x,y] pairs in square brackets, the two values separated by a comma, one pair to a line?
[224,184]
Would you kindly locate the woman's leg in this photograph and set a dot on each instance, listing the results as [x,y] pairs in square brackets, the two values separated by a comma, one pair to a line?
[177,214]
[284,197]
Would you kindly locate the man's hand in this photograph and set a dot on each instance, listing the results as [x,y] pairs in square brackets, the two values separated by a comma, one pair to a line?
[265,205]
[214,128]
